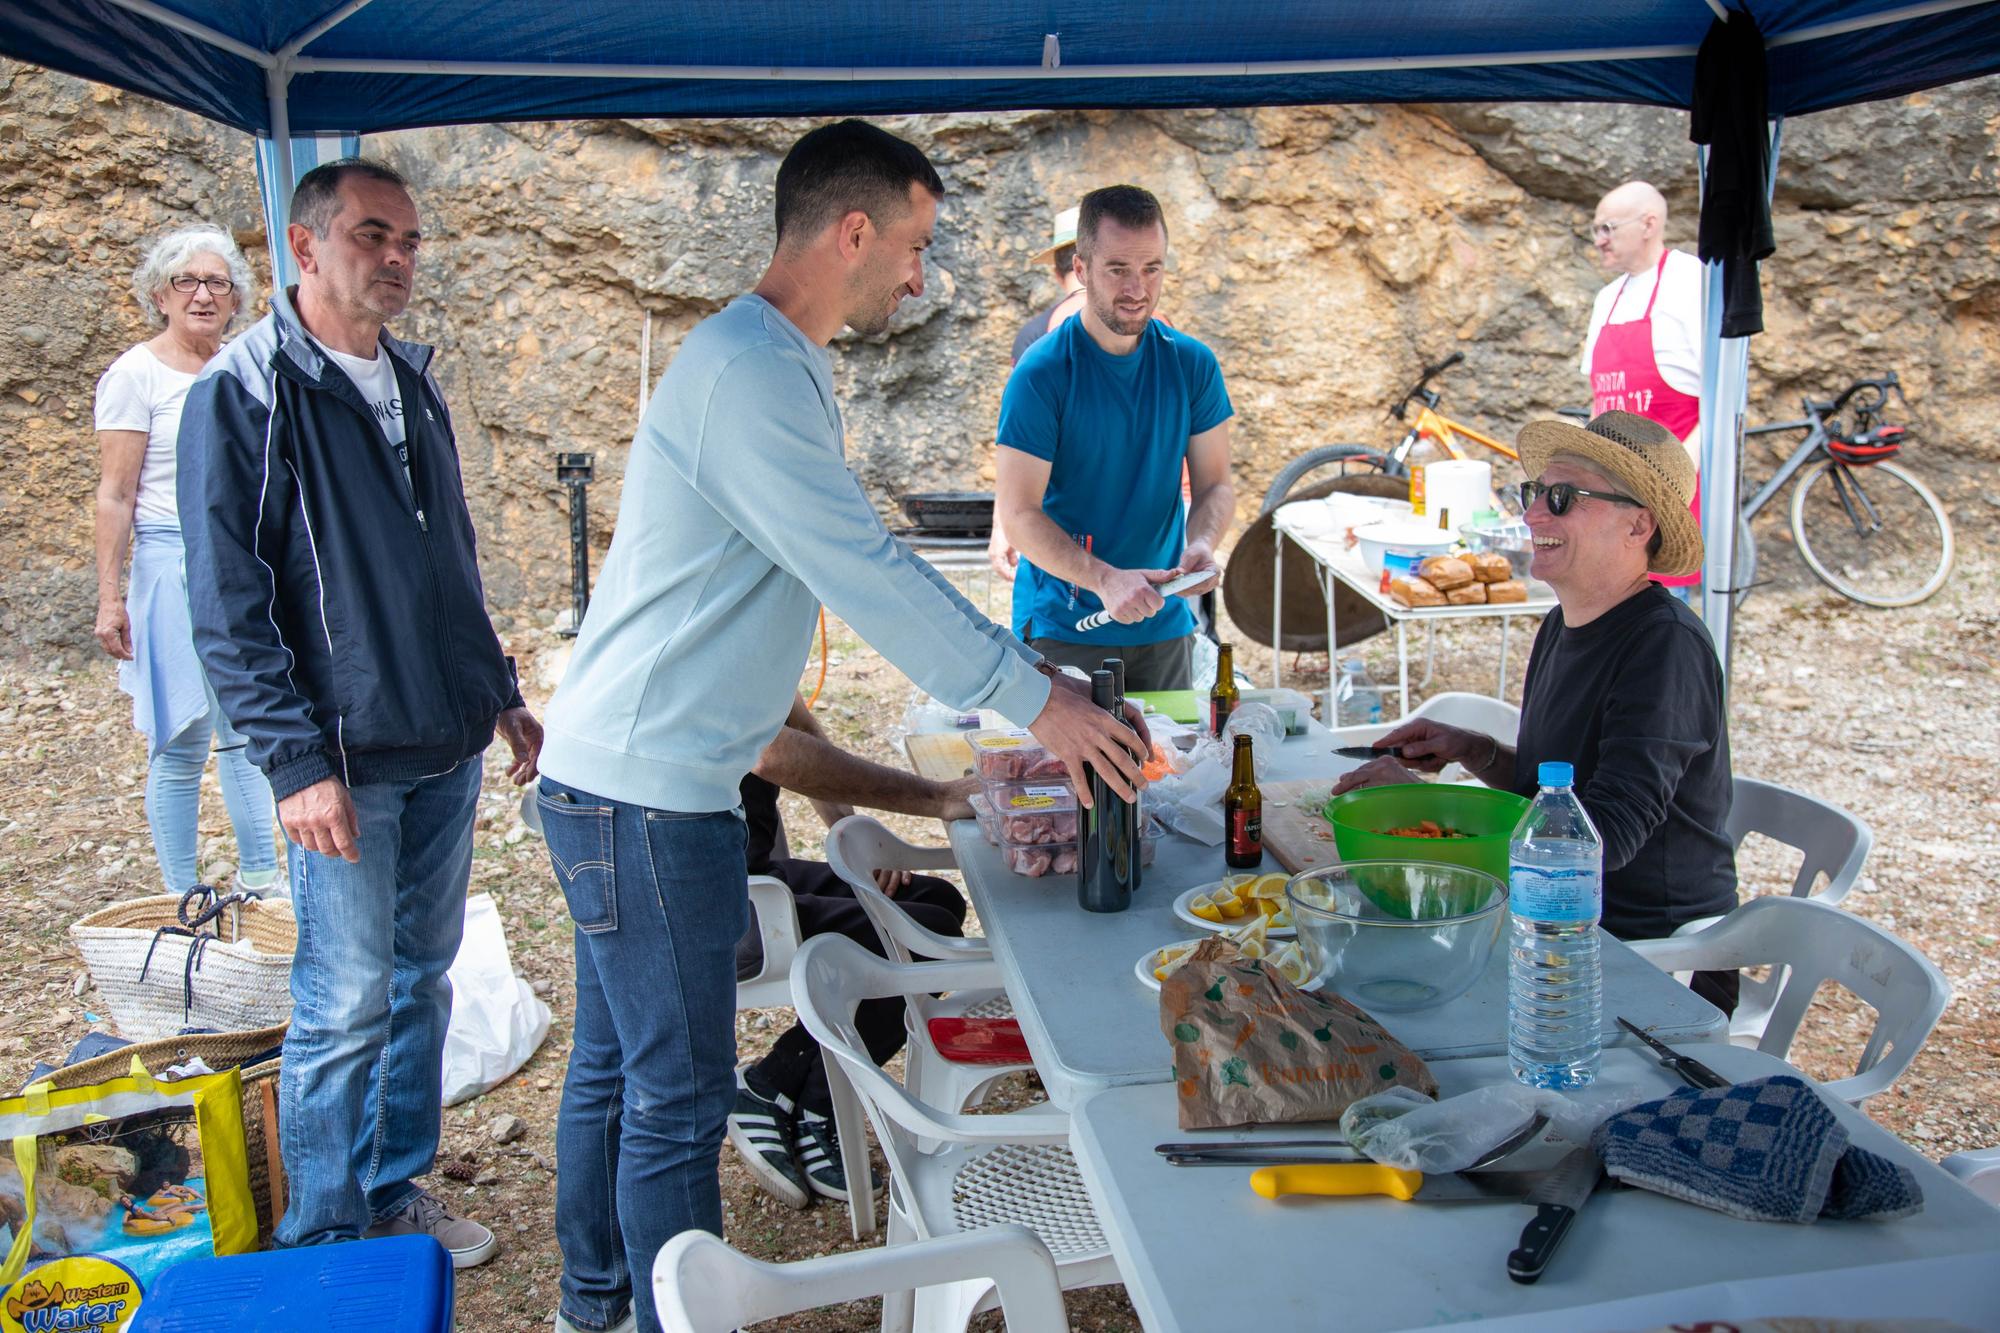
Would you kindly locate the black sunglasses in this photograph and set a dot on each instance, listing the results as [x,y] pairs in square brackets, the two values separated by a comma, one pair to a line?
[1561,495]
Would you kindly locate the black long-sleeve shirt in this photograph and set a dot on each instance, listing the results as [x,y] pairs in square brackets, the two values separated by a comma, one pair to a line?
[1634,700]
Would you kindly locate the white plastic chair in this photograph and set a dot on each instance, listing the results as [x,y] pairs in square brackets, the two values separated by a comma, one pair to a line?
[1830,843]
[1816,943]
[701,1285]
[1979,1168]
[858,846]
[978,1170]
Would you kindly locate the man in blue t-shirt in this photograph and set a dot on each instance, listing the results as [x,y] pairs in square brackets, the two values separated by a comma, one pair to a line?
[1096,424]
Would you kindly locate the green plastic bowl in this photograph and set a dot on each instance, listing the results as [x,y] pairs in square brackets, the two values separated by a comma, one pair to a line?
[1489,816]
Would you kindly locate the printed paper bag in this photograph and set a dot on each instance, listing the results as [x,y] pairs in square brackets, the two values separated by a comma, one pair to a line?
[104,1187]
[1250,1048]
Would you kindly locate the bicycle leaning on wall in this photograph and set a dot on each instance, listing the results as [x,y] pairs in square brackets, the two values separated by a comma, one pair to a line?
[1864,525]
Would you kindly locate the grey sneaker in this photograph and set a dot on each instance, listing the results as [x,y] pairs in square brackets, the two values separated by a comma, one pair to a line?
[426,1215]
[279,887]
[629,1324]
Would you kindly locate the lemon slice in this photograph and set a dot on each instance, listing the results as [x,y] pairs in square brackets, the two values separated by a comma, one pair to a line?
[1251,948]
[1239,881]
[1252,932]
[1291,964]
[1270,886]
[1281,919]
[1203,906]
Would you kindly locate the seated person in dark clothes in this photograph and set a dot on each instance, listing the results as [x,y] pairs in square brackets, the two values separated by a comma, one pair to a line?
[783,1122]
[1623,681]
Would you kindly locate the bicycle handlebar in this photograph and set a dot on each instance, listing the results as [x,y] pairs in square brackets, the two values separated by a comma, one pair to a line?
[1423,381]
[1868,397]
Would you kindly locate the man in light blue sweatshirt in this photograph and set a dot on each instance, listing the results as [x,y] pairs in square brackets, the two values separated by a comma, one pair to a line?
[739,517]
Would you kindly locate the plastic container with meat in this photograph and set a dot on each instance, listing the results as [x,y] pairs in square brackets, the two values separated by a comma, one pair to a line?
[989,823]
[1031,814]
[1037,859]
[1012,755]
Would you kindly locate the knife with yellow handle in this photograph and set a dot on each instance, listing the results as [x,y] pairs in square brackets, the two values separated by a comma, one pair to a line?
[1353,1179]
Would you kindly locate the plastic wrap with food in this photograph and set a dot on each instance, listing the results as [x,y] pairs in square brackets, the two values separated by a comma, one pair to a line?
[1010,754]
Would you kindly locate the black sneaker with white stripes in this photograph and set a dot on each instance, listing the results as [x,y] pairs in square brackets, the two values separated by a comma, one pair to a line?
[819,1156]
[761,1131]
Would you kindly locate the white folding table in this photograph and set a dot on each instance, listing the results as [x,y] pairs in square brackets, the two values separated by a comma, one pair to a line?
[1333,564]
[1199,1251]
[1092,1024]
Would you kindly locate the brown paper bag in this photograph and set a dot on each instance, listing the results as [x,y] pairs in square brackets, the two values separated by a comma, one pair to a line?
[1250,1048]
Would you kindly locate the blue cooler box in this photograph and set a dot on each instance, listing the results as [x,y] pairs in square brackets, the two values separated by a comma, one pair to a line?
[399,1284]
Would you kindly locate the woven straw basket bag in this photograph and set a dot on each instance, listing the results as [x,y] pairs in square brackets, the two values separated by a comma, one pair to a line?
[219,1051]
[163,964]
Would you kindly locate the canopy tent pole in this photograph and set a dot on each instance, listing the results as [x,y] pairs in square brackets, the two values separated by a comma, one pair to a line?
[1725,398]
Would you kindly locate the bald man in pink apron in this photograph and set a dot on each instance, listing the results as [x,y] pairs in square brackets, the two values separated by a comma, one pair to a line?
[1643,352]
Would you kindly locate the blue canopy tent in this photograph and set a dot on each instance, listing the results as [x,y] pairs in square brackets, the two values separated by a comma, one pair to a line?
[285,68]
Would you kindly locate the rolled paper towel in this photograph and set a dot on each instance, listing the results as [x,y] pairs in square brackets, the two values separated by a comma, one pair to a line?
[1462,485]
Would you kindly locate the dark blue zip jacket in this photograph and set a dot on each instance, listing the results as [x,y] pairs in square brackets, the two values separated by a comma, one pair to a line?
[339,615]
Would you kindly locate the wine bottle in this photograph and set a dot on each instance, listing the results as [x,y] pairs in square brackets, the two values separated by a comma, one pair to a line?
[1107,862]
[1136,816]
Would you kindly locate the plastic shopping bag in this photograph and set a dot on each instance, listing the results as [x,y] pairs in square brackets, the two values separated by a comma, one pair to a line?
[104,1187]
[497,1020]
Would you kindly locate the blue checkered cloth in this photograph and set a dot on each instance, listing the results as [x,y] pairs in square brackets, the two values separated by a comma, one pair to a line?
[1769,1150]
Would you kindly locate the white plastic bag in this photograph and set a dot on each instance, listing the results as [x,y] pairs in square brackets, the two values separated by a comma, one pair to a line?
[497,1020]
[1401,1127]
[1190,801]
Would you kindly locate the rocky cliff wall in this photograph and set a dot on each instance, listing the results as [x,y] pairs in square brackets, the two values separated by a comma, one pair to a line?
[1323,253]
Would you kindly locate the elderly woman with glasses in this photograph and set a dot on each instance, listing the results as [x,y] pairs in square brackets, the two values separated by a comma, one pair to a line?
[193,285]
[1623,681]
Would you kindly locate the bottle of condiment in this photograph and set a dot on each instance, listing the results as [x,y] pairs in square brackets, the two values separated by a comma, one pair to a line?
[1107,862]
[1137,821]
[1222,695]
[1243,812]
[1416,492]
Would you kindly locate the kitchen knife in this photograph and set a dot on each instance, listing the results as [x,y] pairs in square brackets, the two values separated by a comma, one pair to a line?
[1349,1180]
[1365,752]
[1689,1068]
[1559,1197]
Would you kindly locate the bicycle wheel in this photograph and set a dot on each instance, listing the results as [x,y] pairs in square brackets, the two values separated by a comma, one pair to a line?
[1288,476]
[1875,533]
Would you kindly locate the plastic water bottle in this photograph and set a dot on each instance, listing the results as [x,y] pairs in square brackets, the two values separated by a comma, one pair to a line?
[1555,992]
[1359,703]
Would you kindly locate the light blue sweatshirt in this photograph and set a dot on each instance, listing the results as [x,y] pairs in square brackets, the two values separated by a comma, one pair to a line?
[739,517]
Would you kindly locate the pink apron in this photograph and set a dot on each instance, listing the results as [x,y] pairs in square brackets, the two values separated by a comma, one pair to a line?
[1625,377]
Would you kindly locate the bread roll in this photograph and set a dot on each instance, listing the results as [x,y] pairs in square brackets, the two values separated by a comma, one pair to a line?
[1472,594]
[1507,590]
[1491,567]
[1415,591]
[1445,572]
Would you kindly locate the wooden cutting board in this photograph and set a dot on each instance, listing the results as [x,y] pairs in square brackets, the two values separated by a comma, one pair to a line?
[1296,834]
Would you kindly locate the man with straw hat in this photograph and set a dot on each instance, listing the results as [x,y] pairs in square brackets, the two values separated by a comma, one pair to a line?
[1623,681]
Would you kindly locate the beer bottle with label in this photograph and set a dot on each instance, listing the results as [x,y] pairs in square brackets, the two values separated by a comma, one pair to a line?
[1243,812]
[1107,862]
[1222,695]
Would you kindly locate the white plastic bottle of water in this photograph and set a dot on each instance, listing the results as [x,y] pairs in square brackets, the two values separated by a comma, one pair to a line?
[1359,702]
[1555,987]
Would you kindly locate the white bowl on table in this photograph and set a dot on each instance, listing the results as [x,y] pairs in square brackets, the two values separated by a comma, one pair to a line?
[1411,537]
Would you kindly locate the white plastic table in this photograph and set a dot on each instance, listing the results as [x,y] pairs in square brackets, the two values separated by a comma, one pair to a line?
[1092,1024]
[1199,1252]
[1331,563]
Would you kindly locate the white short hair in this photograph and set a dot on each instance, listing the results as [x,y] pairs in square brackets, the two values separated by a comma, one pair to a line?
[168,256]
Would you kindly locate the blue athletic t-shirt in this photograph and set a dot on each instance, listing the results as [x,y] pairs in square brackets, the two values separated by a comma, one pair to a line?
[1114,430]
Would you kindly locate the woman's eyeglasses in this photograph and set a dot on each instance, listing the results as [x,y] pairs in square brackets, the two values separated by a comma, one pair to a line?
[1561,495]
[186,283]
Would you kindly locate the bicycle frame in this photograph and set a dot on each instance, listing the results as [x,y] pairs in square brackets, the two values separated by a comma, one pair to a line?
[1434,425]
[1814,441]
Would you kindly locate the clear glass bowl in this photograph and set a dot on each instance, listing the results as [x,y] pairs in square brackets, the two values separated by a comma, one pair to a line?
[1397,935]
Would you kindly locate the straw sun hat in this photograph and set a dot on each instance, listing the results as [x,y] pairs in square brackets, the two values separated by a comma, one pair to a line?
[1062,233]
[1646,462]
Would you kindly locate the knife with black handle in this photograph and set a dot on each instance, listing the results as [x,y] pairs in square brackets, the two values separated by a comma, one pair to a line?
[1557,1198]
[1689,1068]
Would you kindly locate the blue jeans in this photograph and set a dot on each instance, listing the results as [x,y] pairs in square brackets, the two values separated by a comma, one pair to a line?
[659,899]
[362,1083]
[173,799]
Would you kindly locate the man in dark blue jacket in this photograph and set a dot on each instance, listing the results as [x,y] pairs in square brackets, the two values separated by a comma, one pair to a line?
[337,606]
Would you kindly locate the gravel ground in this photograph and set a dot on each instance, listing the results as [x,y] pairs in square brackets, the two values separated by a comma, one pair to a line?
[1889,713]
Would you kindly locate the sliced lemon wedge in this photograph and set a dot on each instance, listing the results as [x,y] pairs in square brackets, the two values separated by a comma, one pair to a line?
[1271,886]
[1203,906]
